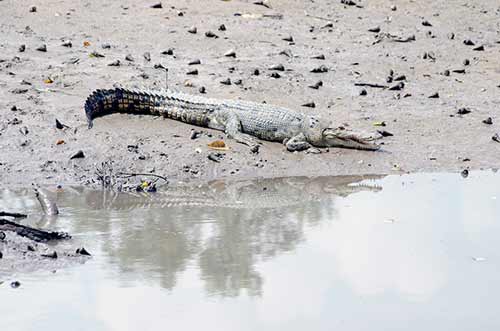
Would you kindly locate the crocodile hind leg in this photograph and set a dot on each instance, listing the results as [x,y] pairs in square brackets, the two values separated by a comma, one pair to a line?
[297,143]
[234,131]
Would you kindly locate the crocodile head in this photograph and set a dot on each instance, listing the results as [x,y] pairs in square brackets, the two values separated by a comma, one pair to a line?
[321,134]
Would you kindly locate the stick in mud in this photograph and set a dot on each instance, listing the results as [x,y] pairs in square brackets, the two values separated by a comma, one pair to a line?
[32,233]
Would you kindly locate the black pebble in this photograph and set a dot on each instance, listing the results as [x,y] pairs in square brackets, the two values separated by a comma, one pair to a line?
[42,48]
[82,251]
[320,69]
[77,155]
[222,27]
[309,104]
[256,72]
[192,72]
[469,42]
[59,125]
[488,121]
[434,96]
[22,48]
[157,5]
[51,256]
[463,111]
[169,51]
[202,90]
[478,48]
[363,92]
[226,81]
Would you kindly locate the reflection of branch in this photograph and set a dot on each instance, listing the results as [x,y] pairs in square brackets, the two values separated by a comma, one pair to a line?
[15,215]
[127,174]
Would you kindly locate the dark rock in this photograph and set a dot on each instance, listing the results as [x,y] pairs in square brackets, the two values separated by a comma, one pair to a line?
[77,155]
[158,66]
[195,134]
[129,58]
[192,72]
[496,137]
[194,62]
[1,255]
[256,72]
[384,133]
[59,125]
[466,62]
[216,157]
[2,236]
[30,248]
[238,82]
[319,57]
[478,48]
[157,5]
[446,72]
[169,51]
[488,121]
[24,131]
[96,54]
[42,48]
[255,149]
[459,71]
[67,43]
[22,48]
[316,85]
[264,3]
[398,87]
[320,69]
[193,30]
[469,42]
[82,251]
[106,46]
[375,29]
[363,92]
[33,9]
[53,255]
[309,104]
[277,67]
[222,27]
[288,38]
[275,75]
[230,53]
[202,90]
[434,95]
[115,63]
[226,81]
[426,23]
[210,34]
[465,173]
[463,111]
[400,78]
[147,56]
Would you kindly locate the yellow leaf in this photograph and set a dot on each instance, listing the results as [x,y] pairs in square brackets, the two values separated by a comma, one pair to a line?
[48,81]
[218,145]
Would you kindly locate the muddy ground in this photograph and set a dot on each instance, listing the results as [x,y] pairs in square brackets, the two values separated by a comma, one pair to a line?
[37,87]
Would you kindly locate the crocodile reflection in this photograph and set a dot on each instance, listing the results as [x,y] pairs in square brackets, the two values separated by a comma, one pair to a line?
[224,228]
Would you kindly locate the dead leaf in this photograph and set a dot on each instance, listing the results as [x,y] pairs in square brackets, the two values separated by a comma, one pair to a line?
[218,145]
[48,81]
[86,43]
[60,142]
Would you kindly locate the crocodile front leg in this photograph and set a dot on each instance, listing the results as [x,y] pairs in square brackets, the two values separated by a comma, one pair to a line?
[297,143]
[233,131]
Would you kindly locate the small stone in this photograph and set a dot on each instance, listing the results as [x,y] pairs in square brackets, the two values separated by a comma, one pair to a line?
[466,62]
[195,134]
[275,75]
[463,111]
[226,81]
[318,57]
[256,72]
[238,82]
[230,53]
[15,284]
[22,48]
[434,95]
[129,58]
[42,48]
[147,56]
[192,72]
[59,125]
[446,72]
[158,66]
[216,157]
[96,54]
[210,34]
[202,90]
[2,236]
[33,9]
[222,27]
[77,155]
[309,104]
[30,248]
[469,42]
[398,87]
[194,62]
[157,5]
[53,255]
[169,51]
[363,92]
[374,29]
[67,43]
[451,36]
[384,133]
[180,13]
[19,90]
[496,137]
[106,46]
[264,3]
[320,69]
[394,8]
[400,78]
[488,121]
[13,108]
[277,67]
[459,71]
[426,23]
[316,85]
[82,251]
[115,63]
[255,149]
[478,48]
[193,30]
[288,38]
[24,131]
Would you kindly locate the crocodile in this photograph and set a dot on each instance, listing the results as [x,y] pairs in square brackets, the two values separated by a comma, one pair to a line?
[243,121]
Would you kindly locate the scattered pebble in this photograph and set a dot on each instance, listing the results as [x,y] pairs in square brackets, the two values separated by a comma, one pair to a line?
[2,236]
[169,51]
[82,251]
[22,48]
[363,92]
[129,58]
[115,63]
[222,27]
[216,157]
[288,38]
[488,121]
[96,54]
[195,134]
[226,81]
[264,3]
[59,125]
[193,30]
[466,62]
[106,46]
[309,104]
[398,87]
[256,72]
[210,34]
[426,23]
[157,5]
[42,48]
[33,9]
[194,62]
[465,173]
[374,29]
[319,57]
[384,133]
[316,85]
[275,75]
[147,56]
[496,137]
[478,48]
[192,72]
[67,43]
[53,255]
[77,155]
[277,67]
[469,42]
[230,53]
[202,90]
[463,111]
[434,95]
[320,69]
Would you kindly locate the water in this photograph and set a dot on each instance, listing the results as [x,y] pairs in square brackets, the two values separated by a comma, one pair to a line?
[412,252]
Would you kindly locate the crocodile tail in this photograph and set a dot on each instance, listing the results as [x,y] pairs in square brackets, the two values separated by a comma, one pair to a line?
[103,102]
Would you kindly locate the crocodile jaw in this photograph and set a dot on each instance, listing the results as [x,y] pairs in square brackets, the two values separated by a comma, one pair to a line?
[337,138]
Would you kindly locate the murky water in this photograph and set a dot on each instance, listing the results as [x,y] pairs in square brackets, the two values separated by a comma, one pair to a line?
[413,252]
